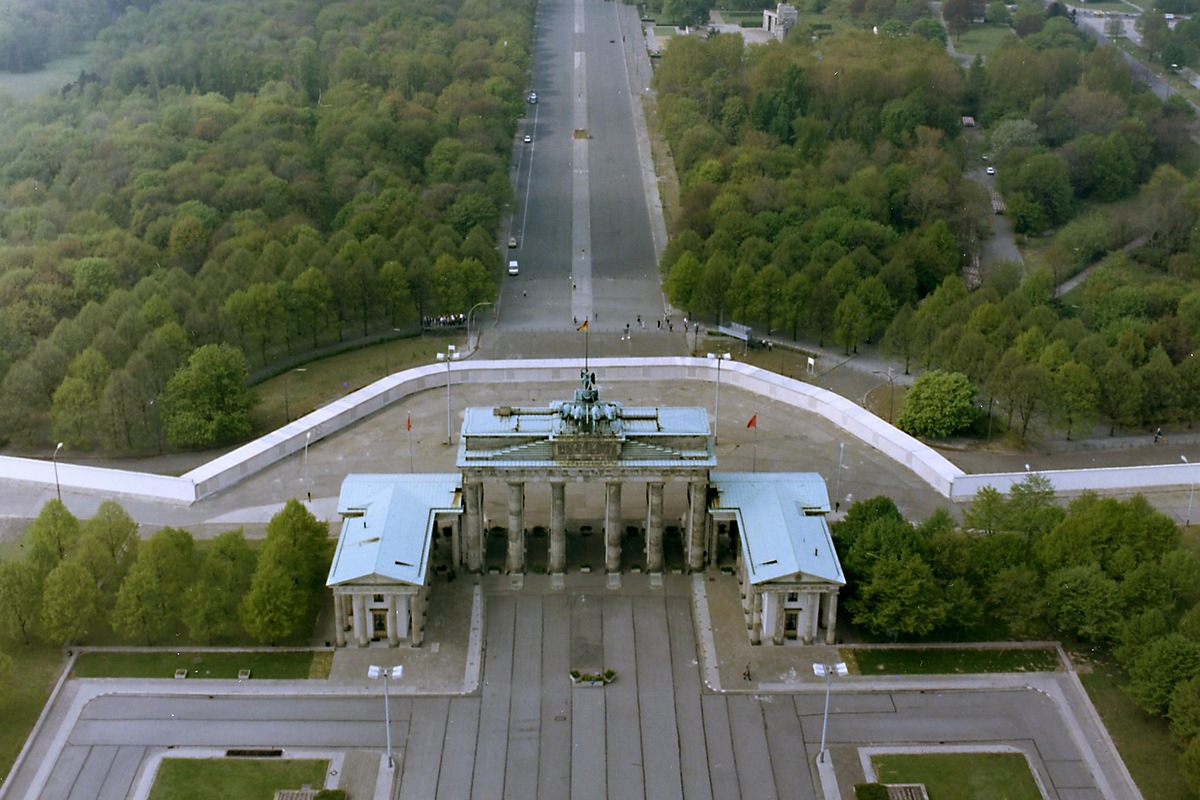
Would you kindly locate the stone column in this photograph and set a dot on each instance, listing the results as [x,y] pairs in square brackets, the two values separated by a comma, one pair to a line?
[417,612]
[339,619]
[392,634]
[695,526]
[612,527]
[362,626]
[813,603]
[654,529]
[755,616]
[831,601]
[558,528]
[516,527]
[473,500]
[777,617]
[456,541]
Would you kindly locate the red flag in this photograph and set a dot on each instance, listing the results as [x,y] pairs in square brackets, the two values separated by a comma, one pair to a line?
[582,327]
[408,424]
[753,423]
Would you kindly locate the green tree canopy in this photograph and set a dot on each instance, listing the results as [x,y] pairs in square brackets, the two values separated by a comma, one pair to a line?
[208,402]
[939,404]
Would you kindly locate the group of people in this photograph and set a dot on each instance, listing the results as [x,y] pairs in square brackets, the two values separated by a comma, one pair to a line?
[444,321]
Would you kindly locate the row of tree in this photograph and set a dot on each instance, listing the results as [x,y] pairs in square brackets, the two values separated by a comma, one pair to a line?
[278,176]
[1100,572]
[80,580]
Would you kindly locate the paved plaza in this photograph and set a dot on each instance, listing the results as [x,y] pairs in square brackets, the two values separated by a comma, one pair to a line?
[691,713]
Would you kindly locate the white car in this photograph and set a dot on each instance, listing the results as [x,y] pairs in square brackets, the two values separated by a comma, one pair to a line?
[990,170]
[528,139]
[513,269]
[532,98]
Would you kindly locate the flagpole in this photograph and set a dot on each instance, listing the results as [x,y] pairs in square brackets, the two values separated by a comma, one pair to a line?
[587,330]
[754,457]
[410,456]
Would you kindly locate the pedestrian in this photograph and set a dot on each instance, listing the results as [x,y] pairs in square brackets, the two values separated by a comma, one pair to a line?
[658,323]
[746,673]
[523,294]
[1158,436]
[639,320]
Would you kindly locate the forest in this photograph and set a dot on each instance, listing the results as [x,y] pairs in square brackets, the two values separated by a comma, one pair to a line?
[827,193]
[273,176]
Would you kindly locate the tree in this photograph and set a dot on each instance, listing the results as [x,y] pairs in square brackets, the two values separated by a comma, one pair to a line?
[1183,710]
[114,529]
[850,322]
[211,606]
[151,596]
[207,402]
[70,603]
[1083,603]
[902,597]
[51,536]
[20,597]
[939,404]
[1163,664]
[1155,32]
[1189,764]
[285,592]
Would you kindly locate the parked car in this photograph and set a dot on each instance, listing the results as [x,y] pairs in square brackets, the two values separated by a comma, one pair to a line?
[528,139]
[991,170]
[512,241]
[532,98]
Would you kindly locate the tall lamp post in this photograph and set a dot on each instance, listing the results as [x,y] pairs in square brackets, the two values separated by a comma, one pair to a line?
[827,671]
[718,357]
[57,485]
[287,387]
[307,485]
[1191,496]
[448,356]
[385,673]
[891,391]
[469,313]
[837,492]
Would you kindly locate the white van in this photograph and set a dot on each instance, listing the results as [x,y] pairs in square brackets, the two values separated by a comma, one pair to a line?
[513,269]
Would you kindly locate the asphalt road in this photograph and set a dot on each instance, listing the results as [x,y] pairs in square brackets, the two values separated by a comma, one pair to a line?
[583,222]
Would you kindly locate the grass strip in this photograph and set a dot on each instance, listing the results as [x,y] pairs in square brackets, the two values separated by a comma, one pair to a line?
[954,661]
[241,778]
[292,665]
[962,776]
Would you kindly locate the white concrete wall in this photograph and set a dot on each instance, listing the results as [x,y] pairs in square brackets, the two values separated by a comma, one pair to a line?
[223,472]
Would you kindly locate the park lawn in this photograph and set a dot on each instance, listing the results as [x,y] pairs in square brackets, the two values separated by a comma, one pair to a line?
[962,776]
[288,665]
[23,695]
[1142,739]
[945,661]
[982,39]
[297,391]
[223,778]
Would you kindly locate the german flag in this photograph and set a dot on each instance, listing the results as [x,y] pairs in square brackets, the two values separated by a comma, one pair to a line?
[582,327]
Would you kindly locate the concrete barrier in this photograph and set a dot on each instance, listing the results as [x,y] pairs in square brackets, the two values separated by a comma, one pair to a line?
[253,457]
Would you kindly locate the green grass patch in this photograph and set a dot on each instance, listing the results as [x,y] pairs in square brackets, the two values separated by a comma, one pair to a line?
[952,661]
[278,666]
[746,19]
[22,696]
[1142,739]
[982,39]
[962,776]
[293,393]
[222,778]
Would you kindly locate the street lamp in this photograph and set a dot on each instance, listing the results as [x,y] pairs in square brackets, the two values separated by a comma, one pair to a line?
[57,485]
[307,486]
[469,313]
[826,671]
[837,492]
[287,385]
[891,391]
[386,672]
[1191,496]
[718,357]
[448,356]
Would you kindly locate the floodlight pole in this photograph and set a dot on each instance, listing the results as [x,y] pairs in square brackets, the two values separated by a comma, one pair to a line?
[57,485]
[386,672]
[827,671]
[718,357]
[448,356]
[1191,496]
